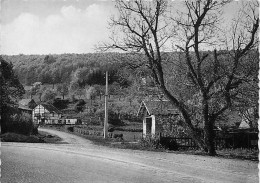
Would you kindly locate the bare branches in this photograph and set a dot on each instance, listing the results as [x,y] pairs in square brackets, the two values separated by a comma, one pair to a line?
[216,76]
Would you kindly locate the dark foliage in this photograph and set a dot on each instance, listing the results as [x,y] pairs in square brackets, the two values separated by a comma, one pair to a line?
[113,118]
[70,129]
[80,105]
[60,104]
[120,136]
[10,90]
[55,69]
[21,125]
[168,143]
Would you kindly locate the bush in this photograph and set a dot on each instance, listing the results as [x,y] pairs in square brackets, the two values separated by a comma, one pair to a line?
[71,129]
[129,129]
[169,143]
[21,124]
[35,130]
[150,143]
[120,136]
[111,129]
[113,118]
[80,105]
[14,137]
[156,143]
[60,104]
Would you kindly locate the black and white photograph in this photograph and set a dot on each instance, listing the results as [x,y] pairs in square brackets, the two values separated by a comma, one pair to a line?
[129,91]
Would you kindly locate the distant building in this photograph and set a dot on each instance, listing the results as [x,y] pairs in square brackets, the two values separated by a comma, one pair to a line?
[30,103]
[46,114]
[24,110]
[70,120]
[149,110]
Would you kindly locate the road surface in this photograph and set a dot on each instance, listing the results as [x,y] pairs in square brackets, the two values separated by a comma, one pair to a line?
[77,160]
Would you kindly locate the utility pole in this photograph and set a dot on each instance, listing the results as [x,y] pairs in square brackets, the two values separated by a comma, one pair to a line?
[106,109]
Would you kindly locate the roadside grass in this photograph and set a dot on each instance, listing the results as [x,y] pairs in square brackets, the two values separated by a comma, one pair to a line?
[49,138]
[41,137]
[239,153]
[14,137]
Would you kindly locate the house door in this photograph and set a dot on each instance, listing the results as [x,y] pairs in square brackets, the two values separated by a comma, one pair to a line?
[148,126]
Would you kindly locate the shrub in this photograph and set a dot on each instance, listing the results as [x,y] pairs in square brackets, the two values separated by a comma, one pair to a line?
[60,104]
[71,129]
[111,129]
[128,129]
[80,105]
[35,130]
[21,124]
[150,143]
[169,143]
[159,143]
[14,137]
[113,118]
[118,136]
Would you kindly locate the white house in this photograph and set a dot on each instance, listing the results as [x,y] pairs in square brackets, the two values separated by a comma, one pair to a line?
[70,119]
[46,114]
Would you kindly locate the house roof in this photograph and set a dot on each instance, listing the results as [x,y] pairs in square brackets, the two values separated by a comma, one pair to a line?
[157,107]
[243,125]
[70,117]
[25,102]
[51,108]
[24,107]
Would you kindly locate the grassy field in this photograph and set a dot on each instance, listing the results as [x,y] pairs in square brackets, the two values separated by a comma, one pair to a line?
[129,136]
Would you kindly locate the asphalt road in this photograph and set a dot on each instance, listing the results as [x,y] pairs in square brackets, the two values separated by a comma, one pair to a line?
[78,160]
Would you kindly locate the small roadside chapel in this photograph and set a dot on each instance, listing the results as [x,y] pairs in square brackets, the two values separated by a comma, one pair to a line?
[150,111]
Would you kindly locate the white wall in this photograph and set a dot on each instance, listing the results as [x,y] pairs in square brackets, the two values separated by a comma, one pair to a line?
[50,118]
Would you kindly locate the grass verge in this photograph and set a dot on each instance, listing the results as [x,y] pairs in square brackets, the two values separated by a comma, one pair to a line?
[41,137]
[242,154]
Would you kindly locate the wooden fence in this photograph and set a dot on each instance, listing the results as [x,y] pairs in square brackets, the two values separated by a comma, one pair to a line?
[231,140]
[248,141]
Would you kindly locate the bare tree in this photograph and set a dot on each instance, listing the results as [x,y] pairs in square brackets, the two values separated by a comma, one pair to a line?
[213,75]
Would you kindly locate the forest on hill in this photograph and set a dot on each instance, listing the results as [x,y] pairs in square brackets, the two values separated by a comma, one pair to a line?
[82,76]
[54,69]
[126,70]
[81,70]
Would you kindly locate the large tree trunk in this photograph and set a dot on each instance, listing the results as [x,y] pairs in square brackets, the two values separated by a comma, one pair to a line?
[187,121]
[208,128]
[209,138]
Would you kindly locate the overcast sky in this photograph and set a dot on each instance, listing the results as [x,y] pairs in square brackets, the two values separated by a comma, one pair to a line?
[55,26]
